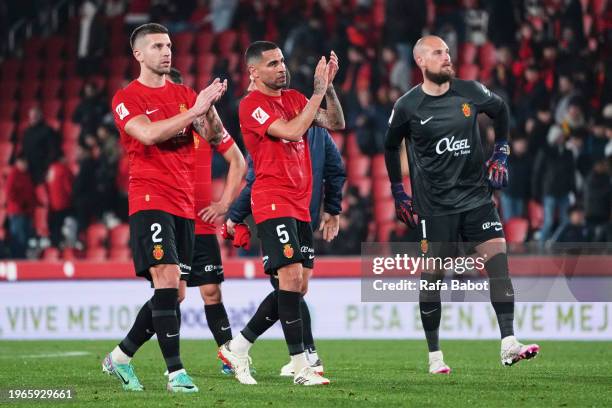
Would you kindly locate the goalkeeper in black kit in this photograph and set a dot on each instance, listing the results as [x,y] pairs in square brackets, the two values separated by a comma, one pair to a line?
[452,185]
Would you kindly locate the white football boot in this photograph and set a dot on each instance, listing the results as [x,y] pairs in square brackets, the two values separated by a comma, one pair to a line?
[308,376]
[436,363]
[239,364]
[512,351]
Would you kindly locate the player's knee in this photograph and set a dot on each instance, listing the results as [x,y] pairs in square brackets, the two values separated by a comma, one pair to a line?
[165,276]
[291,278]
[211,294]
[492,247]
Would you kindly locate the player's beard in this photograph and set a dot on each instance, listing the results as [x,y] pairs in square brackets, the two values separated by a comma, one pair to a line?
[441,77]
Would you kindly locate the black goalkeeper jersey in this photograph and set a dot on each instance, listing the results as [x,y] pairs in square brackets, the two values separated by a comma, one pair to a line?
[445,154]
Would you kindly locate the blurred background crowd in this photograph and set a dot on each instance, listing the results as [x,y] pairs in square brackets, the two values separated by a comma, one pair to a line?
[64,176]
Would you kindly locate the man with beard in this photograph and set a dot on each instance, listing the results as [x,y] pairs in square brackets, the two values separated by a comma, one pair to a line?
[274,122]
[155,118]
[452,186]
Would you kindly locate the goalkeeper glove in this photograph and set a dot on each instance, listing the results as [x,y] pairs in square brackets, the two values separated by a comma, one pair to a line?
[497,169]
[403,205]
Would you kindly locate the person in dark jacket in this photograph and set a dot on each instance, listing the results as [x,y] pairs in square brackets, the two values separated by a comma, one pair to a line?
[516,194]
[553,182]
[328,177]
[575,230]
[40,145]
[598,199]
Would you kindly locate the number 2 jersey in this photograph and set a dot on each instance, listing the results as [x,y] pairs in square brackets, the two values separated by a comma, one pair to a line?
[283,175]
[161,175]
[445,153]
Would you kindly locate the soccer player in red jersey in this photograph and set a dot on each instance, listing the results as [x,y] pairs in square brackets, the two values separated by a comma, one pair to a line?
[274,121]
[207,267]
[156,119]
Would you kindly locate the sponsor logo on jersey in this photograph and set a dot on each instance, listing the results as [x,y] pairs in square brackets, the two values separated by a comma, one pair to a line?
[260,115]
[424,246]
[288,251]
[122,111]
[451,145]
[158,252]
[465,108]
[496,224]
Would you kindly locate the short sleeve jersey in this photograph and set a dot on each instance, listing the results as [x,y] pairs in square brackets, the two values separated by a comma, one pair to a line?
[203,178]
[161,176]
[445,153]
[283,175]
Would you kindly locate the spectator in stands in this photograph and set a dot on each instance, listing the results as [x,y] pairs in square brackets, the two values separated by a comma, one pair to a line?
[20,203]
[40,145]
[516,194]
[566,92]
[537,127]
[476,22]
[222,14]
[85,197]
[530,91]
[575,230]
[106,174]
[596,142]
[92,39]
[396,71]
[89,112]
[59,187]
[553,182]
[404,24]
[369,122]
[598,199]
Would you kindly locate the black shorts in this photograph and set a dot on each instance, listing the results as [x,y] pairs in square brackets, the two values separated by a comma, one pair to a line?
[285,241]
[207,267]
[158,237]
[440,234]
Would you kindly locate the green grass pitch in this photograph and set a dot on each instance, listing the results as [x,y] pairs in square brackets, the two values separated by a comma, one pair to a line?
[362,373]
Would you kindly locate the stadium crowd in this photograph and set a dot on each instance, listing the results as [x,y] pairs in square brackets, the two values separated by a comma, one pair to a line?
[64,171]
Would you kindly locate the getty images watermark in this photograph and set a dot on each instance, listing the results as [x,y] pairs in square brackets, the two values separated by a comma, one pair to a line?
[403,272]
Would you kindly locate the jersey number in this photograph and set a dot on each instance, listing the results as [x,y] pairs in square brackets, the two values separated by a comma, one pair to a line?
[283,235]
[156,229]
[424,229]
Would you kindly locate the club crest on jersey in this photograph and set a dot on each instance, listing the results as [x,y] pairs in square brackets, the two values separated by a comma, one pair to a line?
[424,246]
[158,252]
[288,251]
[182,107]
[465,108]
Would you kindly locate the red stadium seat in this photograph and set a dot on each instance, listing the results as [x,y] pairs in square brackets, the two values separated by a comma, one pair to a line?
[31,70]
[202,80]
[71,150]
[70,106]
[516,230]
[203,42]
[113,85]
[384,210]
[468,72]
[10,69]
[51,254]
[73,87]
[6,150]
[51,88]
[487,55]
[2,198]
[54,123]
[70,131]
[32,47]
[379,169]
[53,69]
[69,254]
[233,61]
[29,89]
[358,167]
[96,235]
[7,110]
[7,128]
[51,108]
[364,185]
[40,221]
[350,145]
[54,47]
[183,63]
[383,230]
[70,69]
[226,41]
[120,254]
[467,53]
[535,212]
[182,43]
[42,196]
[381,189]
[189,80]
[95,254]
[120,236]
[338,139]
[9,90]
[205,63]
[118,66]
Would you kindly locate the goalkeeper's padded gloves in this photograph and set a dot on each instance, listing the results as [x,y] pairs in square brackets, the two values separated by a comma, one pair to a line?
[497,169]
[241,237]
[403,205]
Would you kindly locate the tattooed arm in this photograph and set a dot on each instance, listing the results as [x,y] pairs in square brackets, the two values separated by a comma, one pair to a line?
[209,126]
[331,118]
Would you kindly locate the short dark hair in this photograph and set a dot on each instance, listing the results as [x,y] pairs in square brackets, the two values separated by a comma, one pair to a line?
[148,28]
[175,76]
[257,48]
